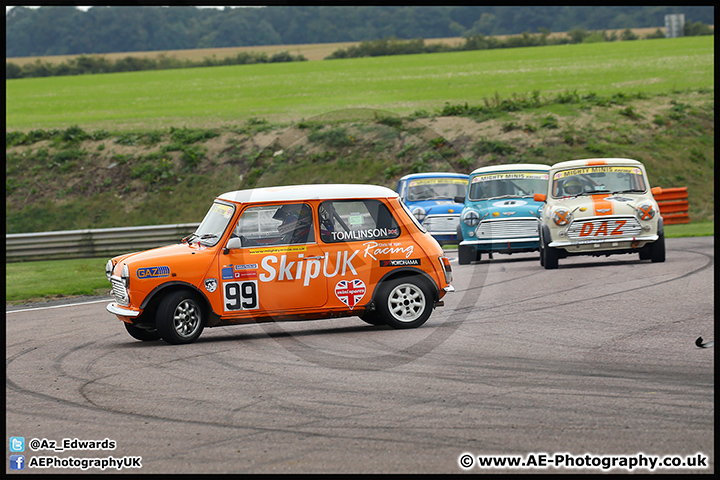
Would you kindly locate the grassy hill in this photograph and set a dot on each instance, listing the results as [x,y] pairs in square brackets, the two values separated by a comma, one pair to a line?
[156,147]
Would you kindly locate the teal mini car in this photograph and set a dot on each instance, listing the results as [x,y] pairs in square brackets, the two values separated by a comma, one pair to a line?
[499,213]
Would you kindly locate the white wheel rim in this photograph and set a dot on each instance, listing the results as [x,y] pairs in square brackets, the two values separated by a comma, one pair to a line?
[406,302]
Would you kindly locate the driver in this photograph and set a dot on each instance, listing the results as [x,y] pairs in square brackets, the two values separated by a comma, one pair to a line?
[572,186]
[296,223]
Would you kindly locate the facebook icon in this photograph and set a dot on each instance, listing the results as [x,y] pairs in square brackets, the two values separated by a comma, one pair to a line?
[17,462]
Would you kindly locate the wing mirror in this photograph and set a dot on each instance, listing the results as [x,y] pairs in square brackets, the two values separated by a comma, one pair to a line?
[234,242]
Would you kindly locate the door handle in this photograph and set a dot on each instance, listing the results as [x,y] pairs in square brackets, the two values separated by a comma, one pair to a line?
[319,257]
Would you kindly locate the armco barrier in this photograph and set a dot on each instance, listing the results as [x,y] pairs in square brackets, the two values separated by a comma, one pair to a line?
[103,242]
[107,242]
[673,203]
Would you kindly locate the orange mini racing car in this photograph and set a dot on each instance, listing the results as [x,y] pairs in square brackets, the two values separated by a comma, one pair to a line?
[299,252]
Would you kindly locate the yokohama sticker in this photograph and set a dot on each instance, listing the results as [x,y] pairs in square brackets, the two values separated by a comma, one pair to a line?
[350,292]
[401,262]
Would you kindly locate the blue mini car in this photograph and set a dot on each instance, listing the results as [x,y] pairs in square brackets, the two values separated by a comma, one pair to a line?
[500,214]
[430,197]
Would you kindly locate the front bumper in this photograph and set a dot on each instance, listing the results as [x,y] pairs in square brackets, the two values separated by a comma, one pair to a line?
[603,244]
[116,309]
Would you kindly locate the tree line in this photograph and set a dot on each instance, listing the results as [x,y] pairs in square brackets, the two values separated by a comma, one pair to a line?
[91,64]
[84,64]
[66,30]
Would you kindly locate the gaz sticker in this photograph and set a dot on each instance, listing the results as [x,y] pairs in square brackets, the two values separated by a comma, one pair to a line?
[153,272]
[240,295]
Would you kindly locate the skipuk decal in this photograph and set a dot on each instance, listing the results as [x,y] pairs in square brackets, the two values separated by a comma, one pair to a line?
[285,269]
[350,292]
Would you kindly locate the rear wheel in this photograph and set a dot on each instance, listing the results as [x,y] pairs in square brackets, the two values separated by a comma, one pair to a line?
[180,317]
[405,302]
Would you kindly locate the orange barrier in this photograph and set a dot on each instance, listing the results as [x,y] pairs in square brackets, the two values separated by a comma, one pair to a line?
[673,203]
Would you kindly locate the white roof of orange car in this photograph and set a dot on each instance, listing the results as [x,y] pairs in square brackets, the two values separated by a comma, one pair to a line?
[596,161]
[511,168]
[308,192]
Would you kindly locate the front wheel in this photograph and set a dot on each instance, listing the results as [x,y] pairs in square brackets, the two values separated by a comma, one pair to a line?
[657,249]
[466,254]
[141,333]
[551,258]
[180,317]
[405,302]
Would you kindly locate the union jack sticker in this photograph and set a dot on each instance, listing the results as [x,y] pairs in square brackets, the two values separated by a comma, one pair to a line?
[350,292]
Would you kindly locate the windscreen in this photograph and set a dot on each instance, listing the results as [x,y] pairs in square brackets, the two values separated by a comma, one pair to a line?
[509,184]
[598,179]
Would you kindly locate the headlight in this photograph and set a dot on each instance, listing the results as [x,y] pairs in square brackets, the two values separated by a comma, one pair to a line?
[419,213]
[471,218]
[645,211]
[125,275]
[562,217]
[109,269]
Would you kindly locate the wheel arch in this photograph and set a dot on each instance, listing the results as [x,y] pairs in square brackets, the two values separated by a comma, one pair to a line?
[408,272]
[156,295]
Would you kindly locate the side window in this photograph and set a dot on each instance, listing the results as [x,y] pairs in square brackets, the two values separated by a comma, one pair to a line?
[351,220]
[275,225]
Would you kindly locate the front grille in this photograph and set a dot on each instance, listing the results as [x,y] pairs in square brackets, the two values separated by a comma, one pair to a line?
[505,229]
[605,227]
[442,223]
[119,291]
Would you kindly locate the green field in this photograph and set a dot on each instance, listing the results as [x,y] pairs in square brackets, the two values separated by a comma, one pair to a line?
[200,97]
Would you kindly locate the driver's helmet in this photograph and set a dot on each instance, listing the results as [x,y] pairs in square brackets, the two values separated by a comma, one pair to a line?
[295,218]
[572,186]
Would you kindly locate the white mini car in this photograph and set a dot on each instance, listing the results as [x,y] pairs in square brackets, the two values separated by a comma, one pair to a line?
[600,206]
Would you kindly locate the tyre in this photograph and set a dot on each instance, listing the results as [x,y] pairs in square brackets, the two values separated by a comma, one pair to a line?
[466,254]
[657,249]
[141,333]
[373,318]
[405,302]
[549,256]
[180,317]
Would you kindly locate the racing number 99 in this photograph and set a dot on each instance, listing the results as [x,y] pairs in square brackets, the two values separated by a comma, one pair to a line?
[241,295]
